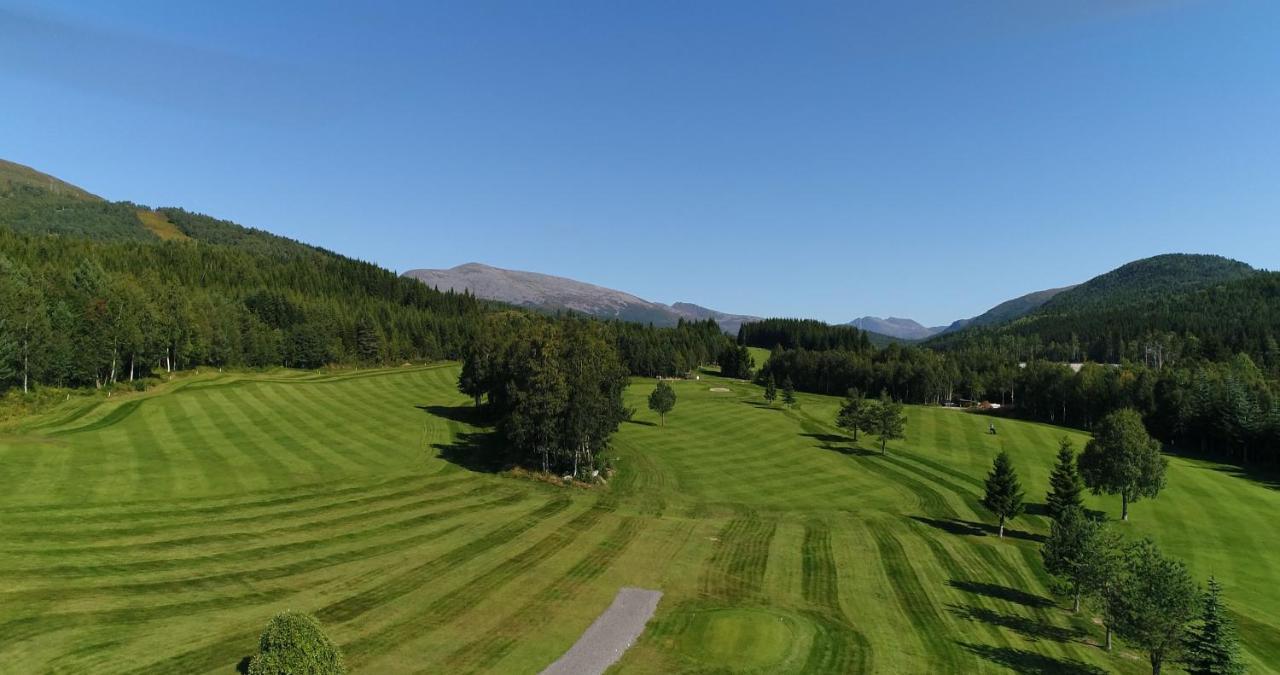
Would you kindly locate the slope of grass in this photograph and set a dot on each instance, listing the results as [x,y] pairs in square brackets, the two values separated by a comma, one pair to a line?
[158,533]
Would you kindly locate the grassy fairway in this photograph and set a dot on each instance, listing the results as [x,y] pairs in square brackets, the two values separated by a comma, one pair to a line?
[158,533]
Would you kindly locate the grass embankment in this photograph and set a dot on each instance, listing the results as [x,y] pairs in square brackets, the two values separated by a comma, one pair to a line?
[159,532]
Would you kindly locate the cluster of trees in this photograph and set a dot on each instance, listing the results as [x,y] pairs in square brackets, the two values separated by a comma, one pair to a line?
[1146,598]
[882,418]
[1230,407]
[802,334]
[736,361]
[76,312]
[669,352]
[553,387]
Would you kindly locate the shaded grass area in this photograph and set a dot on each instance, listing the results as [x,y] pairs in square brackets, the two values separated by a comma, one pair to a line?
[157,534]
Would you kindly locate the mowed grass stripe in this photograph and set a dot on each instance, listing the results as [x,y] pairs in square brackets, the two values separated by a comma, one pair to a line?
[450,606]
[737,566]
[406,582]
[917,605]
[191,536]
[272,422]
[248,553]
[494,645]
[838,646]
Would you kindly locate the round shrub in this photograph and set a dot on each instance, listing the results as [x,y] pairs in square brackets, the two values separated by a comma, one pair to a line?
[294,644]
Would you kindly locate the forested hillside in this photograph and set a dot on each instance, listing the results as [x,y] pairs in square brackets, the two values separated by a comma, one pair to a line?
[1155,309]
[95,292]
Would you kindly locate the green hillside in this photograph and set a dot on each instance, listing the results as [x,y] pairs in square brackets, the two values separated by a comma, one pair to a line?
[157,532]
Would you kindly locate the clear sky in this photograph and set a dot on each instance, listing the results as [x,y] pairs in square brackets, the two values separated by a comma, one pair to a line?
[826,160]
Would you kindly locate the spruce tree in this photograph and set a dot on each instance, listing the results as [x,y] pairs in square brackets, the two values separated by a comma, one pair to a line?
[1065,484]
[770,390]
[887,420]
[1004,494]
[1211,647]
[788,392]
[852,413]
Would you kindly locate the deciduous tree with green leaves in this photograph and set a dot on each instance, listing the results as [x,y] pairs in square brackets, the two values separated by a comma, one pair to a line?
[294,643]
[1065,484]
[1152,603]
[1123,459]
[1004,494]
[662,400]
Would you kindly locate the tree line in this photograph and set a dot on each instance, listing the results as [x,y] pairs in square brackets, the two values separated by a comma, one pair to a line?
[1230,408]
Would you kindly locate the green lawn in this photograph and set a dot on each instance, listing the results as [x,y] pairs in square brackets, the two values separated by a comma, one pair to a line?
[158,533]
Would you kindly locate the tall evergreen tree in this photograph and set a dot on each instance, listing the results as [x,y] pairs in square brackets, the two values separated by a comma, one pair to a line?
[887,421]
[1123,459]
[1212,648]
[852,413]
[1065,484]
[770,390]
[1080,553]
[788,393]
[1004,494]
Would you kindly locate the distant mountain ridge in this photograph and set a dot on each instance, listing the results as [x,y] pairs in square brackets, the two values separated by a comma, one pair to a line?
[551,293]
[1008,310]
[896,327]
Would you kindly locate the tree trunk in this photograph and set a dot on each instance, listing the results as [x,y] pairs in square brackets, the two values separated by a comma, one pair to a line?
[1076,607]
[1002,527]
[882,444]
[131,367]
[1108,638]
[25,370]
[1124,505]
[1156,662]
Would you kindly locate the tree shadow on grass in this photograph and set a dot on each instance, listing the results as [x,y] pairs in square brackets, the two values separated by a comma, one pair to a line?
[836,443]
[243,666]
[1001,593]
[643,423]
[969,528]
[481,450]
[1266,476]
[1023,661]
[1028,628]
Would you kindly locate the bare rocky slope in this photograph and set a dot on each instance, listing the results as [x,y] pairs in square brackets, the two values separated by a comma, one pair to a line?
[551,293]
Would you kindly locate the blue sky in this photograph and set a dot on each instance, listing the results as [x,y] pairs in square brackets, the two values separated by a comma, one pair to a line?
[828,160]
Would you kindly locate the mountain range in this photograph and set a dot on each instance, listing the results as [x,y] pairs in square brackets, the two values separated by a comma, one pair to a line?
[552,293]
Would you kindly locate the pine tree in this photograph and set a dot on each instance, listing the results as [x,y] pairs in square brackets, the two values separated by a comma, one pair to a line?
[1211,647]
[788,392]
[1080,553]
[1065,484]
[1004,494]
[770,390]
[852,412]
[886,421]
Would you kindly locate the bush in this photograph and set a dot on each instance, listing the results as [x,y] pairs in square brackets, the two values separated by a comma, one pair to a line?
[145,383]
[294,644]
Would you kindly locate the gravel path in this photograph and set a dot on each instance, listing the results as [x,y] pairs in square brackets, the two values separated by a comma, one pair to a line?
[611,634]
